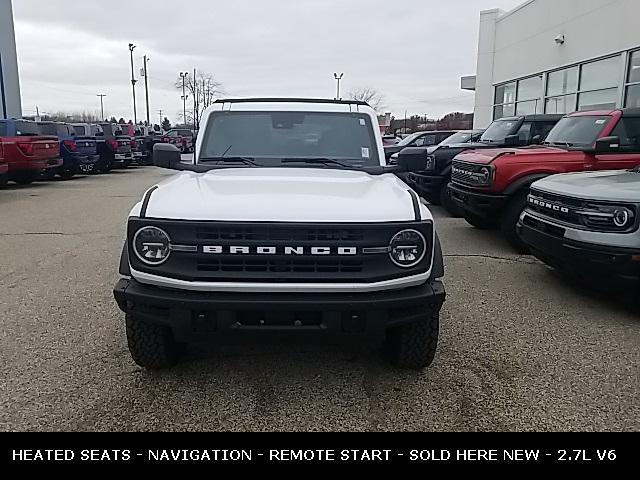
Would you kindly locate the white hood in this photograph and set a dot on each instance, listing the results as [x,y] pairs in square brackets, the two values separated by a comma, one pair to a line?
[283,195]
[611,185]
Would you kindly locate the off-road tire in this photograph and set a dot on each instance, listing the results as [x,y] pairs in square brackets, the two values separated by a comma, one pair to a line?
[413,346]
[25,178]
[4,179]
[447,202]
[509,221]
[152,346]
[67,174]
[479,222]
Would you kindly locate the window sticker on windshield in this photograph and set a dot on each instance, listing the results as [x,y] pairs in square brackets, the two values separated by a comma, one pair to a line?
[600,122]
[363,122]
[365,152]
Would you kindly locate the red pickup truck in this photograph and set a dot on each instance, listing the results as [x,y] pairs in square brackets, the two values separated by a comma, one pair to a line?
[491,186]
[4,169]
[27,153]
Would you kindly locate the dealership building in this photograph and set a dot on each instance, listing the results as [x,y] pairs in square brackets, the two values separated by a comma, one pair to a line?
[557,56]
[10,103]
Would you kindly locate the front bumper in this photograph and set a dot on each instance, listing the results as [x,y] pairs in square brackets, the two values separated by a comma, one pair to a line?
[428,186]
[484,205]
[194,315]
[578,257]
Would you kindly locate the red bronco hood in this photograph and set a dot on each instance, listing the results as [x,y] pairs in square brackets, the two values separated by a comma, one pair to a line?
[520,155]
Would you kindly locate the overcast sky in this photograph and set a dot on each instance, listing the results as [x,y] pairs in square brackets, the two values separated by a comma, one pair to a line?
[412,51]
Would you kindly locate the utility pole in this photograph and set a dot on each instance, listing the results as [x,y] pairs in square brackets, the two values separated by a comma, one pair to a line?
[101,95]
[160,113]
[405,121]
[195,102]
[133,84]
[338,79]
[183,76]
[146,88]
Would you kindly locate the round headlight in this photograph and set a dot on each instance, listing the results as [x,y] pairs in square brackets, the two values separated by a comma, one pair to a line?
[152,246]
[486,174]
[621,217]
[408,248]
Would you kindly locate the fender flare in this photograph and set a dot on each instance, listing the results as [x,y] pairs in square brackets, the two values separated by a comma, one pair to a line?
[437,270]
[525,182]
[125,269]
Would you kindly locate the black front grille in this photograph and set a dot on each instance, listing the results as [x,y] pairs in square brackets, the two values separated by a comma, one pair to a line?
[346,251]
[578,213]
[261,265]
[468,174]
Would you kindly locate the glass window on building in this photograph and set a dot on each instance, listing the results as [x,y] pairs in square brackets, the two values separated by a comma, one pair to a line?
[562,82]
[530,88]
[564,104]
[506,93]
[634,68]
[598,100]
[601,74]
[501,111]
[633,96]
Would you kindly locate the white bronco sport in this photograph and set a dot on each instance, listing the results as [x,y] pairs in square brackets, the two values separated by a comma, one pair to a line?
[288,220]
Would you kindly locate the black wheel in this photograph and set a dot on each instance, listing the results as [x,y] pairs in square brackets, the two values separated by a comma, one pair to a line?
[3,181]
[152,346]
[108,166]
[25,178]
[479,222]
[47,175]
[447,202]
[509,221]
[413,346]
[67,174]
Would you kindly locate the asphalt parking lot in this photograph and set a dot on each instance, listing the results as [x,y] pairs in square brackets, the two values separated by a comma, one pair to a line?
[521,349]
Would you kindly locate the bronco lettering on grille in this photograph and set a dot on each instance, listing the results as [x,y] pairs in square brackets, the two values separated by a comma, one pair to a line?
[255,250]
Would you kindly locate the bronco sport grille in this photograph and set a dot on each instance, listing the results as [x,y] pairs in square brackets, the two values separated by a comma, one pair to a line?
[355,253]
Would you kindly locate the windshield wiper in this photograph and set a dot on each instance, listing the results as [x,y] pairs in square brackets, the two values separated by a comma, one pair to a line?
[317,161]
[245,160]
[558,144]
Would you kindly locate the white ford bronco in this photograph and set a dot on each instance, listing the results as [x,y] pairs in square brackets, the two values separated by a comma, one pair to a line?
[586,224]
[287,221]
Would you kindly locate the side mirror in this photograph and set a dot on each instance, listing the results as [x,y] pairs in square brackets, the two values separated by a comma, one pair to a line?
[607,145]
[512,141]
[166,156]
[537,140]
[412,159]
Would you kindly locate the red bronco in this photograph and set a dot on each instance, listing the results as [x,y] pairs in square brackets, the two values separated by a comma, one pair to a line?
[26,151]
[491,186]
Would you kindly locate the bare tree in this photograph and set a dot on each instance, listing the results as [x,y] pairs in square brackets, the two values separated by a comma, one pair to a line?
[204,89]
[369,95]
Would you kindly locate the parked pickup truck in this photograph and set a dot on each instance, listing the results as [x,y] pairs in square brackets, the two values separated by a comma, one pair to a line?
[432,183]
[26,152]
[491,186]
[142,153]
[114,147]
[586,224]
[186,136]
[418,139]
[288,222]
[4,169]
[78,151]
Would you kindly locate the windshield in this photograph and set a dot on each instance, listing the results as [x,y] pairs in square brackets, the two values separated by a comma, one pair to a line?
[499,130]
[577,131]
[27,129]
[273,138]
[410,139]
[80,130]
[460,137]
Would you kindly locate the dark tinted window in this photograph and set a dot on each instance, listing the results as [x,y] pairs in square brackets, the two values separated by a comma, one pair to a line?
[501,129]
[628,130]
[578,131]
[3,129]
[80,130]
[525,132]
[542,129]
[49,129]
[346,137]
[27,129]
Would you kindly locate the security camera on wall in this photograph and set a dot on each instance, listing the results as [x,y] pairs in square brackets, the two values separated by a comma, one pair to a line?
[559,39]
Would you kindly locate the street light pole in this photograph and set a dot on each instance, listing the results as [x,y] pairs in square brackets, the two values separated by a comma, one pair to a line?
[338,79]
[146,88]
[133,84]
[101,95]
[183,76]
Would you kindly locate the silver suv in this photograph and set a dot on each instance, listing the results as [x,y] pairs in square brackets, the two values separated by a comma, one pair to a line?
[586,223]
